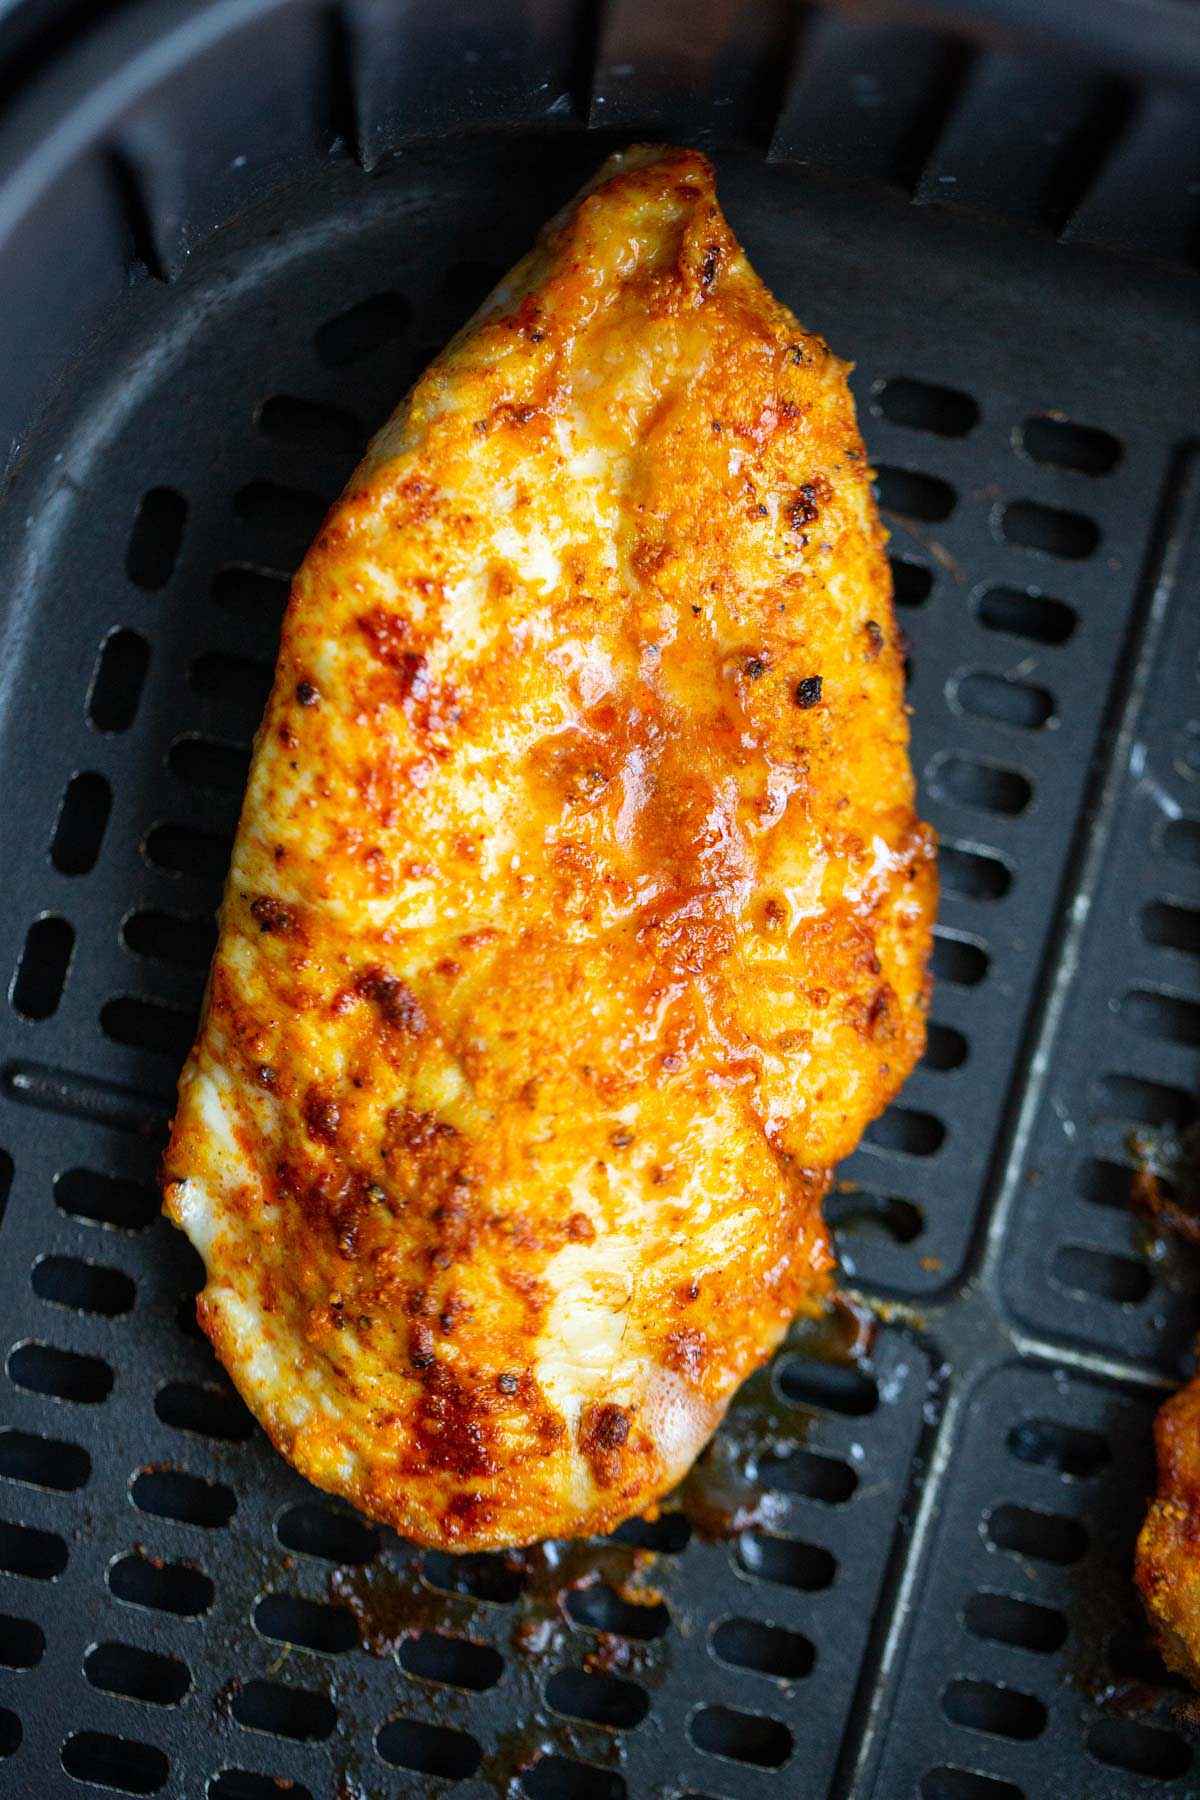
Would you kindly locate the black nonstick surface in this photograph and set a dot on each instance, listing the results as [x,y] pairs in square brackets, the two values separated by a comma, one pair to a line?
[907,1575]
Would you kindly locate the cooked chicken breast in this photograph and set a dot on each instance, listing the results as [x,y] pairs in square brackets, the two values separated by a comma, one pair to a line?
[578,917]
[1168,1552]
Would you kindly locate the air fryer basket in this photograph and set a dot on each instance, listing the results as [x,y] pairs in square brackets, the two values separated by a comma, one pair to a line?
[232,233]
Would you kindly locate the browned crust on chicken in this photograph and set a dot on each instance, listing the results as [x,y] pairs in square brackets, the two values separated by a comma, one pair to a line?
[579,914]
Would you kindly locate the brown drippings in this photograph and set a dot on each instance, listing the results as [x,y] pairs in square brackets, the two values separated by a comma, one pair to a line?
[844,1333]
[721,1495]
[392,1604]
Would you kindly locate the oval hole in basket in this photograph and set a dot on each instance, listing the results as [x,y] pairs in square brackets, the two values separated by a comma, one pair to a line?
[786,1562]
[906,1130]
[925,406]
[81,824]
[1005,702]
[361,330]
[912,582]
[208,764]
[913,495]
[948,1783]
[743,1737]
[1041,1536]
[428,1749]
[317,1530]
[1172,927]
[1139,1749]
[302,1714]
[313,1624]
[116,687]
[11,1732]
[106,1199]
[168,1587]
[827,1386]
[43,1462]
[1142,1102]
[247,590]
[560,1778]
[807,1472]
[1003,1619]
[137,1674]
[1050,438]
[1104,1183]
[187,850]
[193,1500]
[310,426]
[275,507]
[972,874]
[1027,613]
[234,687]
[992,1708]
[972,781]
[63,1374]
[1067,1449]
[858,1209]
[210,1411]
[945,1047]
[22,1642]
[83,1286]
[597,1699]
[451,1661]
[767,1649]
[1100,1274]
[600,1608]
[666,1536]
[173,938]
[1165,1016]
[241,1784]
[960,960]
[151,1025]
[483,1576]
[24,1550]
[115,1762]
[1049,530]
[42,971]
[156,537]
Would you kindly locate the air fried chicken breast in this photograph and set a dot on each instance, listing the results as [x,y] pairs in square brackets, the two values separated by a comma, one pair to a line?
[1168,1552]
[578,916]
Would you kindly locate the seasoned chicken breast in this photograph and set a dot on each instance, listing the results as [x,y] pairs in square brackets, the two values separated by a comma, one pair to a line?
[578,916]
[1168,1552]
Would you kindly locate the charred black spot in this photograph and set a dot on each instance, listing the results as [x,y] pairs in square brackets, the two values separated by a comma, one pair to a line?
[710,266]
[306,694]
[270,914]
[605,1428]
[265,1076]
[756,668]
[803,510]
[321,1116]
[874,637]
[507,1383]
[808,691]
[395,1000]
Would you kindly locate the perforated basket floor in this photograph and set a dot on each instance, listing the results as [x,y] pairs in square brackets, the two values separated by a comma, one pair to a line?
[931,1595]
